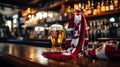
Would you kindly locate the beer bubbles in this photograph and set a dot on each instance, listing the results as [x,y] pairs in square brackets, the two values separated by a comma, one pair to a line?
[56,36]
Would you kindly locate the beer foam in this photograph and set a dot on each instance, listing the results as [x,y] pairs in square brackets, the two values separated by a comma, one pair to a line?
[56,27]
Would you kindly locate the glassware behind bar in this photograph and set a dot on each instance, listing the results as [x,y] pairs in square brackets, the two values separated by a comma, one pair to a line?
[56,36]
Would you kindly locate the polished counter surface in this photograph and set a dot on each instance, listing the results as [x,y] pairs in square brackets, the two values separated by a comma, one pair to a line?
[31,56]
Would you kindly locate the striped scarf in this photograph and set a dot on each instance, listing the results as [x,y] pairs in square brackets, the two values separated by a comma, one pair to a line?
[108,50]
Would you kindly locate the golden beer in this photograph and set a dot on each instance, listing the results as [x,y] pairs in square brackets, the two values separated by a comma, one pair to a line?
[56,36]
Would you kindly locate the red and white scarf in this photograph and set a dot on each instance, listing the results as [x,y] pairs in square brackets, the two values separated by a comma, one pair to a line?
[75,43]
[109,50]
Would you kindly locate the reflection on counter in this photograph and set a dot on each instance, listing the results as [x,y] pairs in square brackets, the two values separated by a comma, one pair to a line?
[34,54]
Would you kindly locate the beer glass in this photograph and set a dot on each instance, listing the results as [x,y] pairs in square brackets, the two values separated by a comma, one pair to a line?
[56,36]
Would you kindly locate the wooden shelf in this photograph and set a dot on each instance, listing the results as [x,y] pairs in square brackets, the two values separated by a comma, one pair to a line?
[52,6]
[57,4]
[50,23]
[106,39]
[104,14]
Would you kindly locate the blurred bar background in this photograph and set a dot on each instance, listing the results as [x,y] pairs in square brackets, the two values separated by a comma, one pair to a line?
[28,21]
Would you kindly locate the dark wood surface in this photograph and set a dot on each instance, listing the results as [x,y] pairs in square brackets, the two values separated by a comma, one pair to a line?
[31,56]
[108,39]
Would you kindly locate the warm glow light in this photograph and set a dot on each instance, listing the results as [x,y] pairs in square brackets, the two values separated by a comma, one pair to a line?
[15,16]
[9,24]
[41,28]
[31,21]
[44,14]
[28,10]
[10,49]
[50,14]
[32,54]
[39,15]
[40,57]
[14,22]
[76,6]
[33,17]
[79,5]
[112,19]
[66,26]
[36,28]
[29,16]
[66,0]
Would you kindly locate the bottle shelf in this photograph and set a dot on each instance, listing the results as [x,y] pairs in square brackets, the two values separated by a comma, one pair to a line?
[57,4]
[104,14]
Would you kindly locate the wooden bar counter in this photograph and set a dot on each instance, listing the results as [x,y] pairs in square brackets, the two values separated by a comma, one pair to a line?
[17,55]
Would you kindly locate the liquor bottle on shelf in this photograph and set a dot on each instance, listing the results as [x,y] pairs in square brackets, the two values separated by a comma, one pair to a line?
[80,6]
[98,31]
[113,30]
[107,5]
[94,30]
[83,6]
[92,6]
[106,28]
[68,9]
[111,5]
[91,32]
[67,12]
[98,8]
[102,31]
[90,35]
[89,12]
[87,8]
[102,6]
[116,4]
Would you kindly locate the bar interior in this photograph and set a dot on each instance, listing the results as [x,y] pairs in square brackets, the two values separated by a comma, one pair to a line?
[87,33]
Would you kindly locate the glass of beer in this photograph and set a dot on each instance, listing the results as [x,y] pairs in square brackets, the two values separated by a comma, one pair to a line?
[56,36]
